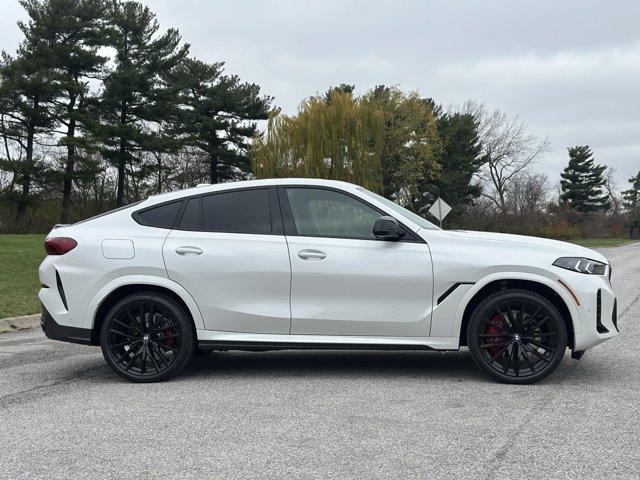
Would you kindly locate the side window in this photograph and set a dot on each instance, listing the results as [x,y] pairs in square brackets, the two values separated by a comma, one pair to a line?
[163,216]
[244,211]
[326,213]
[191,216]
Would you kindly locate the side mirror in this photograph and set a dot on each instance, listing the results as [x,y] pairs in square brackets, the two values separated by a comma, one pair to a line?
[387,228]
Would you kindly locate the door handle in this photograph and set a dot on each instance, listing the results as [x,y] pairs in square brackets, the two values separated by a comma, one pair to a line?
[187,250]
[311,254]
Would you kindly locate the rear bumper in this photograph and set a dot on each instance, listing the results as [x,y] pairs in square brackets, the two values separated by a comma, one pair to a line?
[55,331]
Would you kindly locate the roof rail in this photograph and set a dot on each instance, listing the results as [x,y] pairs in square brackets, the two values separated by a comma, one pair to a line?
[203,185]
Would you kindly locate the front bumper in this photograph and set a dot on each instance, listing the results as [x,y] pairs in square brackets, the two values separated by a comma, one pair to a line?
[55,331]
[597,308]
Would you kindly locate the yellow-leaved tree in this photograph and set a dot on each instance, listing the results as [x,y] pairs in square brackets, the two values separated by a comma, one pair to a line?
[385,140]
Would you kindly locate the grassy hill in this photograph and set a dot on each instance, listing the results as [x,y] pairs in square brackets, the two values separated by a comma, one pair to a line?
[20,256]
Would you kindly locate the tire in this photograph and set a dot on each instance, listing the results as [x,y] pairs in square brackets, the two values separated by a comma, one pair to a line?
[517,336]
[147,337]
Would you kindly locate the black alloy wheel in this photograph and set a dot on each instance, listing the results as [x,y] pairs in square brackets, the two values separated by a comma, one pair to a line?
[147,337]
[517,336]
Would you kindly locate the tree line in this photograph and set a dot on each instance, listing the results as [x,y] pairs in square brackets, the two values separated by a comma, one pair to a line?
[413,150]
[100,107]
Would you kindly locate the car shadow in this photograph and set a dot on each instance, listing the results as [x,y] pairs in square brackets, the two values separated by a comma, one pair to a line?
[344,363]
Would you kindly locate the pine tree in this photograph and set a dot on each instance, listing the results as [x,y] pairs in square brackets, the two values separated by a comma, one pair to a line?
[583,181]
[218,116]
[134,95]
[73,30]
[26,93]
[459,160]
[631,199]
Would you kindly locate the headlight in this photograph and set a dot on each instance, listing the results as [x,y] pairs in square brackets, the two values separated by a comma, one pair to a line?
[582,265]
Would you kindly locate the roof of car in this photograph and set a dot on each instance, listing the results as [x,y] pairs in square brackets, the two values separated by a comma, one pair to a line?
[205,188]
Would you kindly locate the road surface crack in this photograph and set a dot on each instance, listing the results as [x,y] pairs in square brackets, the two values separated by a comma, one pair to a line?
[41,391]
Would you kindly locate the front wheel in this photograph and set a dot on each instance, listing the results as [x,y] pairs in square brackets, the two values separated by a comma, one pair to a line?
[517,336]
[147,337]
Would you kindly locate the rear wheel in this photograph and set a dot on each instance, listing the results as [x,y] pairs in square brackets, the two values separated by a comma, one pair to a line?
[147,337]
[517,336]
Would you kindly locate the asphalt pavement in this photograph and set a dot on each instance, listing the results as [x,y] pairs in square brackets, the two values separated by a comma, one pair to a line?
[319,414]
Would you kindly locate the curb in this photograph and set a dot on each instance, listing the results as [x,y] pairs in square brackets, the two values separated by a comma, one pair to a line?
[13,324]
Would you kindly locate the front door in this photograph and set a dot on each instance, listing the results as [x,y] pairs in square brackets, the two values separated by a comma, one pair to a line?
[229,252]
[344,280]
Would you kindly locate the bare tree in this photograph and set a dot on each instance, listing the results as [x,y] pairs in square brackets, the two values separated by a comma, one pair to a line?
[611,188]
[529,194]
[508,151]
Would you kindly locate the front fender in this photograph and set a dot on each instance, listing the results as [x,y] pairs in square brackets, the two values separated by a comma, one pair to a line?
[116,283]
[541,276]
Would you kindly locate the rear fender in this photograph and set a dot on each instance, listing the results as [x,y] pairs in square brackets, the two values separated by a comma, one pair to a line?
[176,288]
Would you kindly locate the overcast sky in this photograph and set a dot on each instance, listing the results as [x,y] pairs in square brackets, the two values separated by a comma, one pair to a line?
[569,69]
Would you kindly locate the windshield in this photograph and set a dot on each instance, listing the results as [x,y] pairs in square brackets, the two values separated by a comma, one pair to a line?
[401,210]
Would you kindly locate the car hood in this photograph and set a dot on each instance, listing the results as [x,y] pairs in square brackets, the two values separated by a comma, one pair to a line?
[555,246]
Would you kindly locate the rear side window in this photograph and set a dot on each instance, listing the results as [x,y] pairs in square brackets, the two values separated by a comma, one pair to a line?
[243,211]
[163,216]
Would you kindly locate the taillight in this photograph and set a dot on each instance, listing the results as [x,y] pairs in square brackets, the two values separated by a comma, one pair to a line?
[59,245]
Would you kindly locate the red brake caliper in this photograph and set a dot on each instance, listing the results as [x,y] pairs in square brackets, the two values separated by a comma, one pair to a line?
[171,342]
[494,330]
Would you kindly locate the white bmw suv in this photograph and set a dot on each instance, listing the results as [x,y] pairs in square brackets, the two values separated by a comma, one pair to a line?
[302,263]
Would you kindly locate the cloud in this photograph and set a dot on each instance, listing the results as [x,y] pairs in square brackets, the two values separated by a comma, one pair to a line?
[567,66]
[364,64]
[585,96]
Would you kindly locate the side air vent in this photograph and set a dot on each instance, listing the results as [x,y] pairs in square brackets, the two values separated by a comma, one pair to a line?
[450,291]
[599,326]
[614,315]
[61,290]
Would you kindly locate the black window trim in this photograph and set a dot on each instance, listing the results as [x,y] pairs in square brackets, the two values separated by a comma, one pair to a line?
[290,227]
[275,216]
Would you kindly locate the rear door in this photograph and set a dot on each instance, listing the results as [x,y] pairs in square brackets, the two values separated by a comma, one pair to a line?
[229,252]
[344,280]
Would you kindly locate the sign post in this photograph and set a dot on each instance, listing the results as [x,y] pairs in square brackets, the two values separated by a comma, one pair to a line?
[440,209]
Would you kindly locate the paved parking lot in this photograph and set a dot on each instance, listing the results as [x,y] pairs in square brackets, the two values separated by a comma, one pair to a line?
[289,414]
